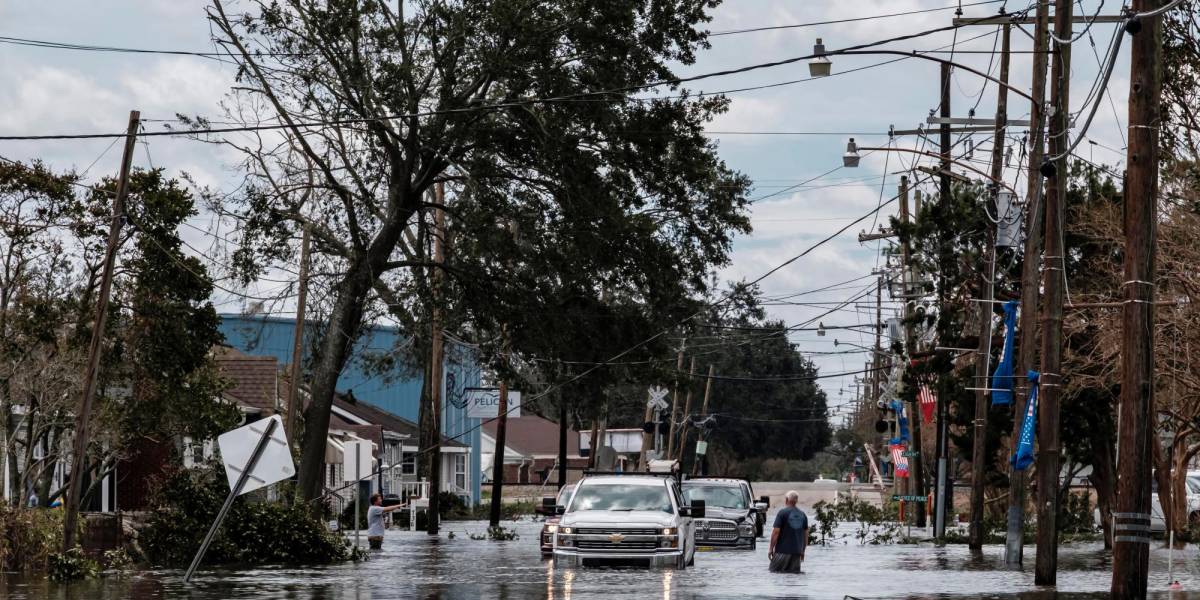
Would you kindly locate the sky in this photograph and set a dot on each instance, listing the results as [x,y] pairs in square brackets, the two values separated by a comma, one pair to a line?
[51,91]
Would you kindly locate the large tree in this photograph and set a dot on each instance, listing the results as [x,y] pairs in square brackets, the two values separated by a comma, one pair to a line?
[528,103]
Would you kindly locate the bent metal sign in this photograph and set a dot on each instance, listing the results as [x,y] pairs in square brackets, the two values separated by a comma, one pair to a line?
[484,403]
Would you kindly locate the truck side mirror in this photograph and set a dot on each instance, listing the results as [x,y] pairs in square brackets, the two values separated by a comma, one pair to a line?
[697,509]
[765,500]
[560,510]
[548,502]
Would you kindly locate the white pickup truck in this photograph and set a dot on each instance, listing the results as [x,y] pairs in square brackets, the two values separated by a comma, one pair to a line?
[635,519]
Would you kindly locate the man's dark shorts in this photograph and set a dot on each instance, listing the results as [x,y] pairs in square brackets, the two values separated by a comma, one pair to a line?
[786,563]
[376,542]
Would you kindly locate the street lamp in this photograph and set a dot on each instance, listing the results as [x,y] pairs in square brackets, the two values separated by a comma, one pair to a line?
[851,157]
[820,65]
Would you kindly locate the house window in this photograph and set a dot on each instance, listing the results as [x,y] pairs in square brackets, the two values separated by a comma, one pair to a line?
[409,465]
[460,471]
[195,453]
[332,474]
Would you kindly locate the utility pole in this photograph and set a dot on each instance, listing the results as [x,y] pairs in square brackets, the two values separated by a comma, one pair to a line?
[1136,437]
[647,436]
[944,492]
[877,359]
[1048,464]
[436,358]
[298,342]
[703,415]
[917,472]
[1027,343]
[987,284]
[687,406]
[83,415]
[674,405]
[498,454]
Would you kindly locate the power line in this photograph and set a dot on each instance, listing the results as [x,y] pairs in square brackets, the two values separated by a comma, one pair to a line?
[501,105]
[847,20]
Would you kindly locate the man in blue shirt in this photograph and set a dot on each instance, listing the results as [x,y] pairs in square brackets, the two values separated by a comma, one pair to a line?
[789,537]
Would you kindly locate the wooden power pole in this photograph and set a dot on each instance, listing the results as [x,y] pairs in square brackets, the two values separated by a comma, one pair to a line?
[436,363]
[1048,460]
[703,458]
[1136,438]
[674,406]
[916,474]
[298,342]
[498,454]
[1027,343]
[687,406]
[987,285]
[945,492]
[83,415]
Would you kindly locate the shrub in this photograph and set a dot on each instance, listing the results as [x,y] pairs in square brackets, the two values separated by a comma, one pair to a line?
[72,565]
[186,502]
[28,537]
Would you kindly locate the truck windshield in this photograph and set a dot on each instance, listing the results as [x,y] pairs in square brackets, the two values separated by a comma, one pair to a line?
[622,497]
[719,496]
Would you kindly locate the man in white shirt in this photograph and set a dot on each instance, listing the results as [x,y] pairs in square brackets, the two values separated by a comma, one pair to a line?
[375,521]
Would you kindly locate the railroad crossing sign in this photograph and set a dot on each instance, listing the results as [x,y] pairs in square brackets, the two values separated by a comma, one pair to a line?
[658,398]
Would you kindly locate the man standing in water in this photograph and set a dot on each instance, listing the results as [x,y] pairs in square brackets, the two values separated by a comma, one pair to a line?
[789,537]
[375,521]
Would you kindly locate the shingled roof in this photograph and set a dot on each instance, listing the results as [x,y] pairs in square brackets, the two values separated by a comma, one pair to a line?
[254,380]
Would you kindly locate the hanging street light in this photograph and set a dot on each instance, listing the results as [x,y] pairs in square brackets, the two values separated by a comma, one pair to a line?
[820,66]
[851,157]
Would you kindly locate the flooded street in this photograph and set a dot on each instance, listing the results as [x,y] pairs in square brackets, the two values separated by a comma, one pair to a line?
[411,565]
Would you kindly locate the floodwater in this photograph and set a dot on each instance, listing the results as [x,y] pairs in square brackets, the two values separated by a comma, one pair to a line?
[412,565]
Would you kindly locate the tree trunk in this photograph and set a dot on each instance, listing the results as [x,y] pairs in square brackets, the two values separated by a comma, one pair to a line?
[1162,476]
[335,349]
[562,440]
[1104,480]
[1179,506]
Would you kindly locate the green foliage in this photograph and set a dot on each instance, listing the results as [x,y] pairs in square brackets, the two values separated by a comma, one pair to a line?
[1075,515]
[495,533]
[173,327]
[28,537]
[186,502]
[72,565]
[117,559]
[451,505]
[873,525]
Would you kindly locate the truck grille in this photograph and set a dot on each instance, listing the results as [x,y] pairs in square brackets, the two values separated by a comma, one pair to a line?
[612,530]
[716,530]
[616,547]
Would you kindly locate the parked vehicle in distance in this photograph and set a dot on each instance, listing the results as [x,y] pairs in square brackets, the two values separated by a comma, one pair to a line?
[550,527]
[627,519]
[730,518]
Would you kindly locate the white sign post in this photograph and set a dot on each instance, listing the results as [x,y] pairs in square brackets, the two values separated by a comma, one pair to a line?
[356,456]
[255,456]
[657,403]
[484,403]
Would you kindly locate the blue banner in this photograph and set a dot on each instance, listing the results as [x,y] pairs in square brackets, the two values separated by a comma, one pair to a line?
[1003,380]
[898,406]
[1024,455]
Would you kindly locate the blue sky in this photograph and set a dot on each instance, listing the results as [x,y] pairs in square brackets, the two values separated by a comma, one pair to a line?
[58,91]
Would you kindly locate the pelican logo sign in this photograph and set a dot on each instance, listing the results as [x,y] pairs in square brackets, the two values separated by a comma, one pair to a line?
[484,403]
[616,538]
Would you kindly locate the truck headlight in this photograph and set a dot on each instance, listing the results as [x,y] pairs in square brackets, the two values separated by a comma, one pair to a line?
[668,541]
[565,529]
[747,528]
[552,529]
[565,541]
[668,531]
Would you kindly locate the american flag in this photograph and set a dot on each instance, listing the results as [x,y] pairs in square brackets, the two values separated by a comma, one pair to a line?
[927,399]
[899,461]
